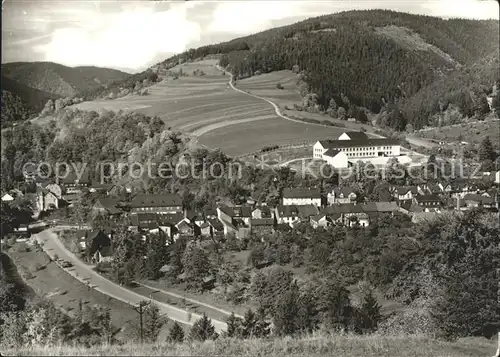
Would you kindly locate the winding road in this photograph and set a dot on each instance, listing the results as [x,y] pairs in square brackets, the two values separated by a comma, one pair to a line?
[85,274]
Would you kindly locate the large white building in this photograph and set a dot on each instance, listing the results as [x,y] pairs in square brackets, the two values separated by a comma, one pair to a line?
[354,146]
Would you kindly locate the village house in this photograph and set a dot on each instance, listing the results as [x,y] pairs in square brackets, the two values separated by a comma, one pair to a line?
[292,214]
[406,193]
[320,220]
[341,195]
[96,186]
[301,196]
[74,182]
[235,222]
[261,212]
[497,177]
[46,200]
[457,188]
[7,197]
[216,227]
[262,225]
[475,201]
[99,244]
[429,202]
[107,206]
[429,189]
[161,204]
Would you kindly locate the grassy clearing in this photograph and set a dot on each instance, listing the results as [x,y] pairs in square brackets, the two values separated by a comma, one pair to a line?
[472,133]
[49,280]
[206,107]
[312,346]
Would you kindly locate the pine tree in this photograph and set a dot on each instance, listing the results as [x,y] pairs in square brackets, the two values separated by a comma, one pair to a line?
[262,326]
[486,154]
[153,322]
[370,313]
[248,324]
[233,326]
[176,333]
[203,329]
[286,312]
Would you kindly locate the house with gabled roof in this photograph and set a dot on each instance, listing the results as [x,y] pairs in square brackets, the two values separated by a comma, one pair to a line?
[341,195]
[429,202]
[262,212]
[108,206]
[353,135]
[235,222]
[406,192]
[301,196]
[262,225]
[73,182]
[162,204]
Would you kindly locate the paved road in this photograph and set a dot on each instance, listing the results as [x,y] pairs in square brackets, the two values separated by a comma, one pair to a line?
[84,273]
[420,142]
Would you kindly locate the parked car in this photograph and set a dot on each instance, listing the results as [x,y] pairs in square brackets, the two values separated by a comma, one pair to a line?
[66,264]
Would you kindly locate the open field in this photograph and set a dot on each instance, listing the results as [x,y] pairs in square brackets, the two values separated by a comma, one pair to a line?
[206,107]
[47,279]
[472,133]
[314,345]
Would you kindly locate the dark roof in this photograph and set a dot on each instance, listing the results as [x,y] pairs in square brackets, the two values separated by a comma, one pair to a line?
[216,224]
[479,198]
[428,198]
[301,193]
[433,187]
[331,152]
[337,144]
[356,135]
[262,222]
[346,191]
[406,204]
[242,211]
[227,210]
[156,201]
[72,177]
[403,190]
[105,251]
[109,204]
[386,206]
[287,211]
[318,217]
[263,209]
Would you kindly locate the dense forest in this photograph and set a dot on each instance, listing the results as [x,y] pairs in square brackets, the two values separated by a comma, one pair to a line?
[379,60]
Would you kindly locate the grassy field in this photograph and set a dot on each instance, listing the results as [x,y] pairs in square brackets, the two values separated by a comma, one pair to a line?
[472,133]
[312,346]
[49,280]
[206,107]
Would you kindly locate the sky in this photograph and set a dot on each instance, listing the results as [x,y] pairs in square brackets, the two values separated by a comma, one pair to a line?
[132,35]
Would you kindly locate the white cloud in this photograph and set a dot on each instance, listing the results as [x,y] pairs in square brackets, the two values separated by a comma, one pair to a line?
[470,9]
[129,38]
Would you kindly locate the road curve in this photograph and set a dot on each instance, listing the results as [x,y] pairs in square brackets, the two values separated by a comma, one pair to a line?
[84,273]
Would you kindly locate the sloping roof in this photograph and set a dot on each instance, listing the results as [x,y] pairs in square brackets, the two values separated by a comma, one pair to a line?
[386,206]
[264,209]
[108,203]
[156,201]
[428,198]
[242,211]
[405,204]
[404,190]
[479,198]
[318,217]
[307,210]
[346,191]
[337,144]
[331,152]
[356,135]
[216,224]
[301,193]
[287,211]
[258,222]
[369,207]
[72,177]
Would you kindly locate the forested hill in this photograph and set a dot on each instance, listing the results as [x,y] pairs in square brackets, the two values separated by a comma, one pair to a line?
[20,102]
[375,59]
[61,80]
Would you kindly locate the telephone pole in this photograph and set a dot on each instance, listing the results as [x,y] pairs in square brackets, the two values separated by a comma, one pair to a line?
[140,311]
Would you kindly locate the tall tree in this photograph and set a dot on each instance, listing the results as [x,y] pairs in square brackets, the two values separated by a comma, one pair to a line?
[203,329]
[176,333]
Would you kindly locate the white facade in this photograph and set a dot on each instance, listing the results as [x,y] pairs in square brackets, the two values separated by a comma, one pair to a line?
[497,177]
[358,152]
[7,198]
[338,161]
[289,201]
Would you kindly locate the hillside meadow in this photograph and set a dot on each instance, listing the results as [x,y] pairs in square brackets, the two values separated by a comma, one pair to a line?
[207,108]
[311,346]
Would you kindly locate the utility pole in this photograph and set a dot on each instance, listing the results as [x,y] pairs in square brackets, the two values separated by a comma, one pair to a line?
[140,311]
